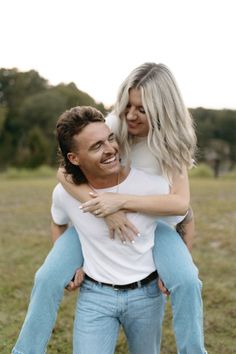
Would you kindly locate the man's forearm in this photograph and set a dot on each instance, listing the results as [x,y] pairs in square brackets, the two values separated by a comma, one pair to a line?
[57,230]
[187,229]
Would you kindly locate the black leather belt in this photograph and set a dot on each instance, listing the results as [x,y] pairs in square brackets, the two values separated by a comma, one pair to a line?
[135,285]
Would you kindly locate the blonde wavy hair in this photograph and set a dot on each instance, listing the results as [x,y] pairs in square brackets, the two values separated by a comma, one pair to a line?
[171,137]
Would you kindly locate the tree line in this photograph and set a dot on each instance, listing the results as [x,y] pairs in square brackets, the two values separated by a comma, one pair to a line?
[30,106]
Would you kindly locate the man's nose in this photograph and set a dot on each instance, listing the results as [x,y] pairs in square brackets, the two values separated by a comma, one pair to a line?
[109,148]
[131,114]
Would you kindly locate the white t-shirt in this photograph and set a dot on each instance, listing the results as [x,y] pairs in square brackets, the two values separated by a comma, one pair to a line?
[107,260]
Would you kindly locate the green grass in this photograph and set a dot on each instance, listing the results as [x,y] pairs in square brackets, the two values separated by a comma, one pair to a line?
[25,241]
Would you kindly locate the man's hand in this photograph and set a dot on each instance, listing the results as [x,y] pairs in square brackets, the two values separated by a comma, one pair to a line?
[162,287]
[77,280]
[186,229]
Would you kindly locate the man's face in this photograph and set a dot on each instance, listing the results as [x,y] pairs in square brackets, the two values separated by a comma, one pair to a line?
[97,152]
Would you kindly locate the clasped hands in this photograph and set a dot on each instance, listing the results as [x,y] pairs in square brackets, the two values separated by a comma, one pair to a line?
[108,206]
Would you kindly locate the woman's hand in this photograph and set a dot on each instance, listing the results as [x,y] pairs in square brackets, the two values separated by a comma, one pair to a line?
[119,225]
[103,204]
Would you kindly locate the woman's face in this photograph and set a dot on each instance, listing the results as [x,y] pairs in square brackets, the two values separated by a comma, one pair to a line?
[135,115]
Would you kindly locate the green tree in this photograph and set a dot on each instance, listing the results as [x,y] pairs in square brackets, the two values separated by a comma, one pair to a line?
[39,148]
[3,115]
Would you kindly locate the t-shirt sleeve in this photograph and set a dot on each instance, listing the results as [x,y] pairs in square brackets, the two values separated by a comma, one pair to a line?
[58,212]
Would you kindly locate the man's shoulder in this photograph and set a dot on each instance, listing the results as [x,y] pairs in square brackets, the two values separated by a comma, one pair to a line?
[62,197]
[59,191]
[58,188]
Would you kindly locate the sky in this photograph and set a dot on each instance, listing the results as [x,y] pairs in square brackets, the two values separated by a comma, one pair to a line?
[96,43]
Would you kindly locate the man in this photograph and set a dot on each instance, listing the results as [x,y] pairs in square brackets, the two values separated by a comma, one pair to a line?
[93,155]
[120,285]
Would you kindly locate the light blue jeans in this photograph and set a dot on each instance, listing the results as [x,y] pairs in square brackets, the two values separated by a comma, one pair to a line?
[101,311]
[174,265]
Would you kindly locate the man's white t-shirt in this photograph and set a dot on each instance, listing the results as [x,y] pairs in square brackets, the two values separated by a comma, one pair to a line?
[107,260]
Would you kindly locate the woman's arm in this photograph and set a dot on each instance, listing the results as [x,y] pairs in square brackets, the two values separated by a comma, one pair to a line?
[175,203]
[81,192]
[117,222]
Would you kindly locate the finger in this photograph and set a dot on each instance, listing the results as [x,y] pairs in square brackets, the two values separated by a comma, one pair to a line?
[70,286]
[88,204]
[162,288]
[121,236]
[98,213]
[132,228]
[79,277]
[127,234]
[111,233]
[89,209]
[93,194]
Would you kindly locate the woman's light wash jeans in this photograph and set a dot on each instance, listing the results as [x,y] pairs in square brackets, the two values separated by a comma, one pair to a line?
[174,265]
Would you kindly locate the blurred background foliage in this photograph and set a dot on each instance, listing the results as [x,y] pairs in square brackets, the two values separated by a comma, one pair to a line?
[30,106]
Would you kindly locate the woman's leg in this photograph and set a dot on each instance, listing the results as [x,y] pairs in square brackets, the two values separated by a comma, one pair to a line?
[180,276]
[50,280]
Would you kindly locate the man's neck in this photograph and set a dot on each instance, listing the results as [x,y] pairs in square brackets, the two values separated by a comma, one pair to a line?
[110,181]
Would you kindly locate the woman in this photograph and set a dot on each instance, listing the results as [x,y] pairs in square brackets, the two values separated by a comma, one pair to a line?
[155,132]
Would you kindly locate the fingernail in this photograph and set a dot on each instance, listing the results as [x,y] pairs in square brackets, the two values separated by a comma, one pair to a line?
[124,242]
[138,234]
[132,241]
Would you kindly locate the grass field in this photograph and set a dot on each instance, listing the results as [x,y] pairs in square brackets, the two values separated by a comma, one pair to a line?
[25,241]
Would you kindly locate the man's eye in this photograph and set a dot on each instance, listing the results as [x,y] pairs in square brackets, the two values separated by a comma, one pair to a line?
[111,138]
[96,147]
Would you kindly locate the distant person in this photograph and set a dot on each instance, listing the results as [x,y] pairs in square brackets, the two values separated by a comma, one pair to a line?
[152,122]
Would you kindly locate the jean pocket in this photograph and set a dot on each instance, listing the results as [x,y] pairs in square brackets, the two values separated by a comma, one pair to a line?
[87,286]
[152,289]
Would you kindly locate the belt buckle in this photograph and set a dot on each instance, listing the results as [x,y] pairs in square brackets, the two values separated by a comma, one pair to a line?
[114,287]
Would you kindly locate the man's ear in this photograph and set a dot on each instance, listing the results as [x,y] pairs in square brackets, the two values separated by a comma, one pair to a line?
[73,158]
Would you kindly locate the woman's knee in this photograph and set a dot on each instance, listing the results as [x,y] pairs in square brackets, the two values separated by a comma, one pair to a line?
[189,281]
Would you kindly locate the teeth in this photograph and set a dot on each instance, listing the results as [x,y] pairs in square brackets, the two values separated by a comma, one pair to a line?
[110,160]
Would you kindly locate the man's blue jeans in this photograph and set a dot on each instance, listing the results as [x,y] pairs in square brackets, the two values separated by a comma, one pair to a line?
[174,265]
[101,310]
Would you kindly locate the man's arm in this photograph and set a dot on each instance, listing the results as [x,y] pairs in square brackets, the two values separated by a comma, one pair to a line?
[186,229]
[57,230]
